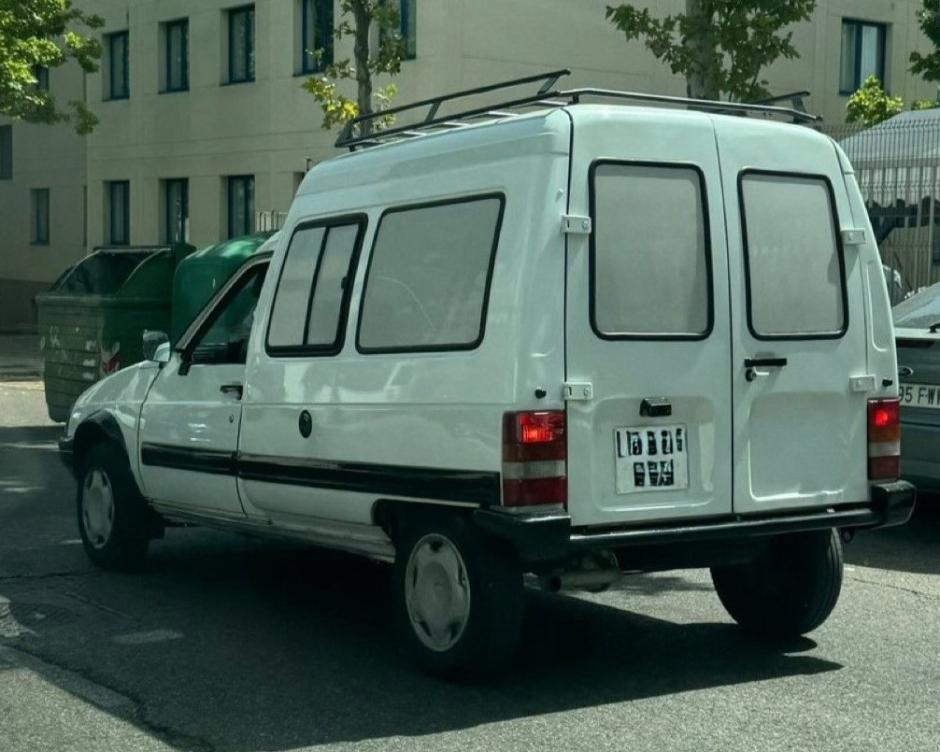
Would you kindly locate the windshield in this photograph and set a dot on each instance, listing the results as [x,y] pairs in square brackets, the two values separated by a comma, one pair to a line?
[919,311]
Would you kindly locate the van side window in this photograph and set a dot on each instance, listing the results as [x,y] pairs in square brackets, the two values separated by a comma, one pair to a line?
[650,262]
[795,269]
[428,279]
[313,291]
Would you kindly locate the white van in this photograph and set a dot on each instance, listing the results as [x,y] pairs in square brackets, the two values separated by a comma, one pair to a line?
[568,341]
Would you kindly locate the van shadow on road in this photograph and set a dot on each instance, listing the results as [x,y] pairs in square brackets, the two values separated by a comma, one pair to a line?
[914,547]
[243,646]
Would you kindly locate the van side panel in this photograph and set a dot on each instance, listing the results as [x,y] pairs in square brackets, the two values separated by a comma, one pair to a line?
[420,426]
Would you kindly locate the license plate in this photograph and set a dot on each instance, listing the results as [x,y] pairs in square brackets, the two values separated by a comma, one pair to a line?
[920,395]
[651,458]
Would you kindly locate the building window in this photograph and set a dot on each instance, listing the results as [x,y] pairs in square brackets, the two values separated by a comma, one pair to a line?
[176,197]
[863,54]
[241,44]
[177,55]
[316,35]
[408,16]
[119,212]
[41,74]
[241,205]
[118,79]
[407,29]
[6,152]
[39,216]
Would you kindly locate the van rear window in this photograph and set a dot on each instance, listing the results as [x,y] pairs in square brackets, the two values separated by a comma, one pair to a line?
[650,264]
[429,276]
[795,269]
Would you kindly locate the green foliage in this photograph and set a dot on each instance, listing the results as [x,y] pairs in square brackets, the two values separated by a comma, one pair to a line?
[924,104]
[871,104]
[44,34]
[720,46]
[357,18]
[928,18]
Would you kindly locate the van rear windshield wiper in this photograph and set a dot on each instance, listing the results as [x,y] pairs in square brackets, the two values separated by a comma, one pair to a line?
[934,327]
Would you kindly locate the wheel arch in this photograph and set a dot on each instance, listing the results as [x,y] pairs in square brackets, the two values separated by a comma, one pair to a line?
[99,427]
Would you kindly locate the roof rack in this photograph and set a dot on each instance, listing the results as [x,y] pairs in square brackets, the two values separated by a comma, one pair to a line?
[545,96]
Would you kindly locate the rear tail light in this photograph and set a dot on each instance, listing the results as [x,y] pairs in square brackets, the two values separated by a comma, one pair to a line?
[535,456]
[884,439]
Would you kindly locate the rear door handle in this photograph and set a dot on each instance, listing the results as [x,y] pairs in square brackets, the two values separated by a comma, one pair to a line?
[752,364]
[655,407]
[232,390]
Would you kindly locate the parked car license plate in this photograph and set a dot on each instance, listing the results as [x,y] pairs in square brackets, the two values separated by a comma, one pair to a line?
[651,458]
[920,395]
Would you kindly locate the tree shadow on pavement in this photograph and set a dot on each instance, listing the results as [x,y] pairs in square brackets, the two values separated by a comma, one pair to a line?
[248,646]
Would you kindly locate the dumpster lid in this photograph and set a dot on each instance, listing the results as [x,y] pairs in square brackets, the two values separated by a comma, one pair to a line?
[105,269]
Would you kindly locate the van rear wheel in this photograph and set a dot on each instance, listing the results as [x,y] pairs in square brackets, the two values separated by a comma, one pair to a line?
[460,604]
[788,590]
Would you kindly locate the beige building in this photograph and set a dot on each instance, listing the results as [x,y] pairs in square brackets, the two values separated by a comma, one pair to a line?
[204,122]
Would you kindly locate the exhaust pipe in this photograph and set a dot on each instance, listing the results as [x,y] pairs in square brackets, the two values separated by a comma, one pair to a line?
[594,572]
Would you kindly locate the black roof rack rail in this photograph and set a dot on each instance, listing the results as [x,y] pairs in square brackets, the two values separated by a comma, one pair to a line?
[349,138]
[546,96]
[706,105]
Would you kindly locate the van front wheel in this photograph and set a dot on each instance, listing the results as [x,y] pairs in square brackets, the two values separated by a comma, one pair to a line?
[460,604]
[787,591]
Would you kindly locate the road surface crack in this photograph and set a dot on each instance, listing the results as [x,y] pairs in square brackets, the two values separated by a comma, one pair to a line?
[921,593]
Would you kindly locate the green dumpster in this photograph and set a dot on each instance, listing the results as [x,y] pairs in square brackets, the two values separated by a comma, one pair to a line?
[205,271]
[91,321]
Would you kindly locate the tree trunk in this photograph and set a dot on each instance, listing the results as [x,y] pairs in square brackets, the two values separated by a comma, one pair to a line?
[700,83]
[361,54]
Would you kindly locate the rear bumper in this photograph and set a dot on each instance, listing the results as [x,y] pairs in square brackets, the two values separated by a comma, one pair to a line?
[540,538]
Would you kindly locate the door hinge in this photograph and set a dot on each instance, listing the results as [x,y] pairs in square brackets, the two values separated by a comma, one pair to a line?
[578,390]
[853,237]
[572,224]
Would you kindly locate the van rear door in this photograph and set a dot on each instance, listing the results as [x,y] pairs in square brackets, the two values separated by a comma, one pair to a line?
[798,320]
[647,328]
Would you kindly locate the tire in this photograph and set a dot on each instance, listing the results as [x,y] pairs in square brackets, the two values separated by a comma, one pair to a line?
[113,518]
[459,604]
[789,590]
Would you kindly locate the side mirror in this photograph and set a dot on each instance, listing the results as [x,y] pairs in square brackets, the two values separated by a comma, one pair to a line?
[156,346]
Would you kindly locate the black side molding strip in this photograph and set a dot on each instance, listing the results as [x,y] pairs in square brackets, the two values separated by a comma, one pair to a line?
[181,458]
[440,484]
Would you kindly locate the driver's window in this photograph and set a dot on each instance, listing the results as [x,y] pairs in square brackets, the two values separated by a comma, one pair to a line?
[226,339]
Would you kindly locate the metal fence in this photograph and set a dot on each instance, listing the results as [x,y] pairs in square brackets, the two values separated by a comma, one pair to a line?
[897,164]
[269,221]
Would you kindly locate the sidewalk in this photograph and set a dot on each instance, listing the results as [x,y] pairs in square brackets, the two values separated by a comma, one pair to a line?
[20,359]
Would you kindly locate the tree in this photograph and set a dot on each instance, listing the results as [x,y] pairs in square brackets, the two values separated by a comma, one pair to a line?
[928,18]
[37,34]
[871,104]
[720,46]
[365,15]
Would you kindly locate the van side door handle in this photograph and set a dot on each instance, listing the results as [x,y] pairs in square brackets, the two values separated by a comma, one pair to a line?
[752,364]
[232,390]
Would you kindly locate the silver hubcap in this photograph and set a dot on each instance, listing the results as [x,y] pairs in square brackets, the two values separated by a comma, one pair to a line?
[97,507]
[437,592]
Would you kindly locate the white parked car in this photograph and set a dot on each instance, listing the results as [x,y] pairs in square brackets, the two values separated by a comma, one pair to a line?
[571,342]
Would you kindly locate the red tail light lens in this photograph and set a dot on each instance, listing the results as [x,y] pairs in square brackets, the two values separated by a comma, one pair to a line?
[534,458]
[884,439]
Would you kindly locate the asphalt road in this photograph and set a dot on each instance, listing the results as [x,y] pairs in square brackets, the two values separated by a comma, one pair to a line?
[228,643]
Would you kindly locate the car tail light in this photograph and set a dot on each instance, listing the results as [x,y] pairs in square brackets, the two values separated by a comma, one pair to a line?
[535,455]
[884,439]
